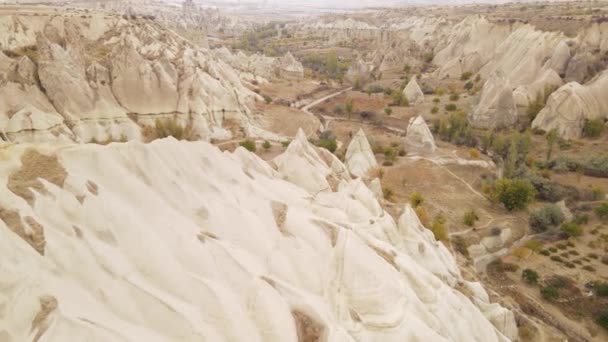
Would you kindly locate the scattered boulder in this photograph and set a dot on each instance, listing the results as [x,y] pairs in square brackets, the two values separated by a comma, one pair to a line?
[419,137]
[359,155]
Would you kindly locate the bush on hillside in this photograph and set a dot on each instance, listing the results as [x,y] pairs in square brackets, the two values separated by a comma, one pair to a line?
[514,194]
[546,217]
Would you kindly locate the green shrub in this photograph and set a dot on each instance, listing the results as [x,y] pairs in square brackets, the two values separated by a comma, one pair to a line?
[454,97]
[328,144]
[170,127]
[600,288]
[556,258]
[470,217]
[436,100]
[416,199]
[596,167]
[589,268]
[438,228]
[539,102]
[399,99]
[601,211]
[593,128]
[249,145]
[549,293]
[434,110]
[388,110]
[469,85]
[388,193]
[529,276]
[514,194]
[545,252]
[553,249]
[602,319]
[285,143]
[466,76]
[572,229]
[450,107]
[267,99]
[339,109]
[546,217]
[597,193]
[266,145]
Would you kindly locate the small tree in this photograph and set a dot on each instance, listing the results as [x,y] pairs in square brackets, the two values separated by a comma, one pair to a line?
[249,145]
[349,107]
[514,194]
[466,76]
[388,110]
[416,199]
[546,217]
[529,276]
[601,211]
[593,128]
[438,228]
[470,217]
[572,229]
[551,138]
[339,109]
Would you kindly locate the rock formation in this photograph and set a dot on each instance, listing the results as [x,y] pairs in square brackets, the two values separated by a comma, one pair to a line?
[570,106]
[88,74]
[413,93]
[290,67]
[496,108]
[359,158]
[208,245]
[419,138]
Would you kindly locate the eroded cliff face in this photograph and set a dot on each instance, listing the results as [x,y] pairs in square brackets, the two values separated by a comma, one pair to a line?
[531,61]
[179,241]
[72,78]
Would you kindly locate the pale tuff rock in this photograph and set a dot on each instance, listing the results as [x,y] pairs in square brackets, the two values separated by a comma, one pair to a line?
[561,57]
[489,248]
[217,250]
[470,45]
[578,67]
[359,71]
[570,106]
[94,71]
[413,93]
[302,164]
[290,67]
[359,158]
[262,68]
[376,187]
[502,318]
[547,81]
[496,108]
[418,137]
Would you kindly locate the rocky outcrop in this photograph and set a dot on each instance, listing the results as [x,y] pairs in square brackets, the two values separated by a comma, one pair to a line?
[359,158]
[222,250]
[413,93]
[290,67]
[88,74]
[570,106]
[418,138]
[496,108]
[309,168]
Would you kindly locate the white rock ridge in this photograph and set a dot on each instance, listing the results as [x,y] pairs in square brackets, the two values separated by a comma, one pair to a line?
[418,136]
[213,246]
[359,157]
